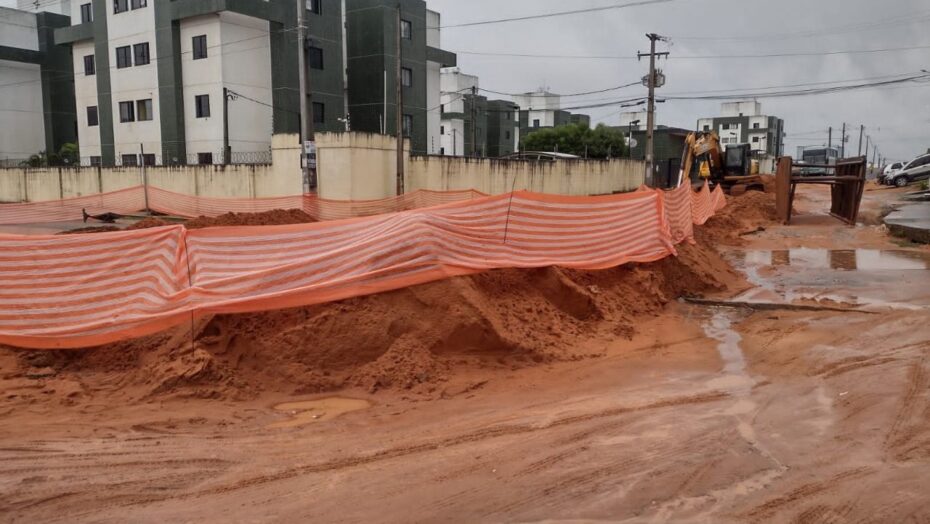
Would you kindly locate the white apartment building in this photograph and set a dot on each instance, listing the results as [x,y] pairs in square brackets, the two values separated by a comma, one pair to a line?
[455,91]
[540,107]
[744,122]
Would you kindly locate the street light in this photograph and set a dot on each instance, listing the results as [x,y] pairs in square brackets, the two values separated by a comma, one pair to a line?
[630,136]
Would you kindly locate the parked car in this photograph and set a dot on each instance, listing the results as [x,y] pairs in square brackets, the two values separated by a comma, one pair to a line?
[889,170]
[915,170]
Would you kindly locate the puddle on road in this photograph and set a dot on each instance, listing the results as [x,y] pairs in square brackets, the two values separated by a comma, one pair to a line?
[837,259]
[320,410]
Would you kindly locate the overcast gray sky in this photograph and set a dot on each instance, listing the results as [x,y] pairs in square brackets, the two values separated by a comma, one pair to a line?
[897,117]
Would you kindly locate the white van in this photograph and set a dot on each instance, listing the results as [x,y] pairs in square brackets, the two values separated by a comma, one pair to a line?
[915,170]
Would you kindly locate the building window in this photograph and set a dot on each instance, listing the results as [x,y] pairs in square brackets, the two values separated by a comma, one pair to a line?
[406,30]
[202,102]
[148,159]
[89,68]
[130,160]
[706,128]
[726,126]
[120,6]
[319,113]
[406,76]
[442,130]
[126,112]
[536,122]
[138,4]
[756,125]
[92,118]
[87,14]
[200,47]
[144,109]
[123,57]
[507,135]
[95,161]
[755,140]
[408,125]
[315,6]
[141,52]
[315,57]
[204,158]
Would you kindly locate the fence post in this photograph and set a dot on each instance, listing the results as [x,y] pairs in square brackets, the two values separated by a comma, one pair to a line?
[25,186]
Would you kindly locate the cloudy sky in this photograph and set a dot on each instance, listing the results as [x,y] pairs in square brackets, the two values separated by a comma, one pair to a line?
[897,117]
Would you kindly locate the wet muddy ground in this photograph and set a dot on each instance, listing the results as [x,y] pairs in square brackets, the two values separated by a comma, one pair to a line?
[710,414]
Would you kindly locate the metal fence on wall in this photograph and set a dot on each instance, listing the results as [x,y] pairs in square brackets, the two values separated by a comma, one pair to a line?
[148,159]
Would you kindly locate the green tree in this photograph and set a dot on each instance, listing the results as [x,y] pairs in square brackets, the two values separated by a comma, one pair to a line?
[69,155]
[578,139]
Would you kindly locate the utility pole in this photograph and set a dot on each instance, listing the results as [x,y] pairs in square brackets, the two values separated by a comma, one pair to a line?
[651,82]
[474,121]
[830,137]
[861,131]
[226,150]
[400,107]
[145,178]
[867,140]
[306,119]
[843,142]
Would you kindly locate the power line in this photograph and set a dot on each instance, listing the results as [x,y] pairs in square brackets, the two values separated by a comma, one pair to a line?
[551,15]
[801,92]
[552,95]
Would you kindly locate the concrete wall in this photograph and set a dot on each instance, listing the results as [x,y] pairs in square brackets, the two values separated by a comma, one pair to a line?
[236,181]
[494,176]
[360,166]
[22,128]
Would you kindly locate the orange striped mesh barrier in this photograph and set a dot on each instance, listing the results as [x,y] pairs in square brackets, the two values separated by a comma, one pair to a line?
[77,291]
[132,200]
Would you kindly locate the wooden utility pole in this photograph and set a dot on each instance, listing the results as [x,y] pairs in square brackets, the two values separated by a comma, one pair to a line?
[400,106]
[830,137]
[474,121]
[226,150]
[650,121]
[861,132]
[843,142]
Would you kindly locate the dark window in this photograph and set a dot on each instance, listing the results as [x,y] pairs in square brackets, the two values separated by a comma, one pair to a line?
[507,135]
[442,130]
[92,118]
[755,140]
[204,158]
[319,113]
[406,76]
[95,161]
[87,14]
[203,105]
[536,122]
[200,47]
[756,125]
[89,68]
[148,159]
[406,30]
[130,160]
[408,125]
[726,126]
[126,112]
[706,128]
[144,109]
[136,4]
[315,6]
[141,52]
[123,57]
[120,6]
[315,57]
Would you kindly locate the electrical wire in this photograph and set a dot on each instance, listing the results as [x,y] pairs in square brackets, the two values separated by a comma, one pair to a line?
[556,14]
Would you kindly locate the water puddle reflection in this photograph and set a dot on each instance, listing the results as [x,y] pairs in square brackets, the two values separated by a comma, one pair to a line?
[837,259]
[313,411]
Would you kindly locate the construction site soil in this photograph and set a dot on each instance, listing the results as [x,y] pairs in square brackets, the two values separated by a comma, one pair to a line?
[414,340]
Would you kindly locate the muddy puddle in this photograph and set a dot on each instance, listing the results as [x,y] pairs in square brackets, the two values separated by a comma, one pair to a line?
[314,411]
[837,259]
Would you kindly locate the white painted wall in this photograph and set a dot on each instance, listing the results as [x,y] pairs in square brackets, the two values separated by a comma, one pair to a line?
[433,116]
[22,128]
[743,108]
[85,95]
[433,21]
[540,100]
[632,116]
[133,83]
[203,77]
[453,85]
[453,138]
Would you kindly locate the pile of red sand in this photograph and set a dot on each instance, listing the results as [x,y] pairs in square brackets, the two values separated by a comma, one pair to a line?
[275,217]
[416,339]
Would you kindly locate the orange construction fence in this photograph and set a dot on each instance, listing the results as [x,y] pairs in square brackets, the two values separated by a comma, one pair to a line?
[77,291]
[133,200]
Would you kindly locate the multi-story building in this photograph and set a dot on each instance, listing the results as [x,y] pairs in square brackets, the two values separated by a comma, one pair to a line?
[36,86]
[542,109]
[744,123]
[472,125]
[372,32]
[180,81]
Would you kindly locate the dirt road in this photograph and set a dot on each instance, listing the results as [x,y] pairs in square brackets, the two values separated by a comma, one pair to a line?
[705,415]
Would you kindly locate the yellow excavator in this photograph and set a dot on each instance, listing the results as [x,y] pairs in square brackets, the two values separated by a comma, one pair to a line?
[704,160]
